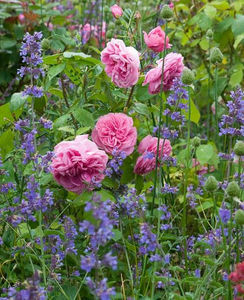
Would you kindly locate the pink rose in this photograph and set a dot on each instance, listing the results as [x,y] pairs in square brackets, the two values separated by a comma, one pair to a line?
[171,5]
[116,10]
[115,131]
[79,164]
[148,148]
[155,39]
[173,67]
[121,63]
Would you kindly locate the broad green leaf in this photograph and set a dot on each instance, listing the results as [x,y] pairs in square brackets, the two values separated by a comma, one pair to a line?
[205,205]
[82,56]
[52,59]
[141,109]
[61,121]
[204,44]
[142,93]
[238,25]
[220,4]
[204,153]
[17,101]
[195,114]
[84,117]
[210,11]
[7,43]
[5,114]
[238,39]
[236,78]
[6,142]
[55,70]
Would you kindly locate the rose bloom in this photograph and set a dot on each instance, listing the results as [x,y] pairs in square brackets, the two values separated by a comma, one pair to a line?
[155,39]
[78,165]
[116,10]
[121,63]
[148,148]
[115,131]
[173,67]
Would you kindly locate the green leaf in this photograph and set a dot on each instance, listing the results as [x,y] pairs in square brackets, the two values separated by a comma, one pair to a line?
[205,205]
[117,235]
[204,153]
[220,4]
[142,93]
[204,44]
[238,39]
[83,57]
[236,78]
[84,117]
[210,11]
[6,142]
[52,59]
[238,25]
[7,43]
[141,109]
[17,101]
[55,70]
[61,121]
[5,114]
[56,92]
[195,114]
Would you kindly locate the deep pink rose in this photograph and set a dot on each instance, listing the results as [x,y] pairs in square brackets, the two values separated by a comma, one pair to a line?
[155,39]
[79,164]
[148,148]
[173,67]
[121,63]
[116,10]
[115,131]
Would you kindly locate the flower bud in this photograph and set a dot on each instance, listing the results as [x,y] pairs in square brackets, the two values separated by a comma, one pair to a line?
[239,217]
[233,189]
[196,141]
[187,76]
[209,34]
[211,184]
[137,15]
[239,148]
[117,22]
[216,56]
[45,44]
[167,12]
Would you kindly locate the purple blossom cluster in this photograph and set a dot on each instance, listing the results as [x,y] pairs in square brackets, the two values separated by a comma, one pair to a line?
[99,235]
[132,205]
[100,289]
[113,166]
[33,290]
[233,122]
[31,53]
[148,240]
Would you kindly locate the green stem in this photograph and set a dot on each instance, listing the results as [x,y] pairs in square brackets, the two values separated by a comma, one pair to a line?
[208,105]
[159,126]
[42,250]
[216,106]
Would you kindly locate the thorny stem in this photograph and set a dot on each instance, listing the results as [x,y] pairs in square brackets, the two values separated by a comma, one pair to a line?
[159,125]
[67,103]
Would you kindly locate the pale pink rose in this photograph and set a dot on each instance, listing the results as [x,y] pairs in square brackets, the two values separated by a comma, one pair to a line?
[173,67]
[116,10]
[155,39]
[148,148]
[121,63]
[201,170]
[115,131]
[78,165]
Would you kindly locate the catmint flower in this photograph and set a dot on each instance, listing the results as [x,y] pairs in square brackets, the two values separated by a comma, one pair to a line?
[100,289]
[225,215]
